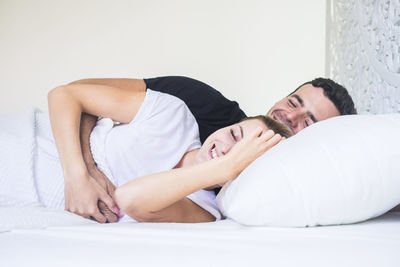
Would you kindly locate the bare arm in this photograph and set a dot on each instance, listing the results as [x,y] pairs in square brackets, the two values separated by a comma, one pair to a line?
[89,121]
[182,211]
[162,196]
[397,208]
[87,124]
[66,104]
[133,85]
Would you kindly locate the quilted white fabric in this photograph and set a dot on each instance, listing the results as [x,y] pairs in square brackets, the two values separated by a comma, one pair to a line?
[17,147]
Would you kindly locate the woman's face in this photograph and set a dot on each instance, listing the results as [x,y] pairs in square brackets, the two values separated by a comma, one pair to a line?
[221,141]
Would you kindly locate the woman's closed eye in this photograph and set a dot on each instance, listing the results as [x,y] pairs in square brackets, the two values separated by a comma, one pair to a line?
[233,135]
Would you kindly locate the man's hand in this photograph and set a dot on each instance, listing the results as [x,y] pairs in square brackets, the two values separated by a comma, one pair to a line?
[86,127]
[83,197]
[109,187]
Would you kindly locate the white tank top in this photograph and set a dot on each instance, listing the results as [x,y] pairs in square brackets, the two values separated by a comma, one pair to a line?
[162,131]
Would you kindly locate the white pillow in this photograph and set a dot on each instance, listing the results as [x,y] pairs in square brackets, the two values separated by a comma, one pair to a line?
[342,170]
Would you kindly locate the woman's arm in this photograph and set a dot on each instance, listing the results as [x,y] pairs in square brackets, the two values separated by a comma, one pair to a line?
[147,197]
[66,104]
[182,211]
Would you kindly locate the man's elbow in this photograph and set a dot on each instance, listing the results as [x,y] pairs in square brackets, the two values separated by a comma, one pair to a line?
[56,93]
[82,81]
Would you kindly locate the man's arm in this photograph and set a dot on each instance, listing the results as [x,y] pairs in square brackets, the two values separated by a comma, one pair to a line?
[66,105]
[134,85]
[86,126]
[89,121]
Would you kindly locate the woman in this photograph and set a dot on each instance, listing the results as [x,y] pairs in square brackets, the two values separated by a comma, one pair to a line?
[136,197]
[123,106]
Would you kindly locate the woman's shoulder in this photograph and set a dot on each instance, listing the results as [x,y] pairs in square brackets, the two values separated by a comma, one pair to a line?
[163,99]
[162,106]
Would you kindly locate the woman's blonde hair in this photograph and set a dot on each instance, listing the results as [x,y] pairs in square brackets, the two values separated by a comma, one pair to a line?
[277,127]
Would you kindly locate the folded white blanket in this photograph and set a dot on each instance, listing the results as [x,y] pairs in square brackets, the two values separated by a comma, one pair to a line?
[31,181]
[27,215]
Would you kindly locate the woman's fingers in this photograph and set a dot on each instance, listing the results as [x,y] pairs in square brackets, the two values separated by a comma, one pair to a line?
[110,203]
[267,135]
[275,139]
[257,132]
[266,140]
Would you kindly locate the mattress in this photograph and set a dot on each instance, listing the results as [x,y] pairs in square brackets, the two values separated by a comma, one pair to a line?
[35,236]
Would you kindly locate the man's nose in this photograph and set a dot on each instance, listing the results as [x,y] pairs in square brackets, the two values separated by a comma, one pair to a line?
[295,116]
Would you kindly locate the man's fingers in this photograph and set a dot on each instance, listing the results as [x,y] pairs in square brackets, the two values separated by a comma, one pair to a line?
[111,189]
[99,217]
[77,212]
[86,216]
[110,216]
[110,203]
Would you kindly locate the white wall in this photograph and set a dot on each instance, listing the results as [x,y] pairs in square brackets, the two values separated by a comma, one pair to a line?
[253,51]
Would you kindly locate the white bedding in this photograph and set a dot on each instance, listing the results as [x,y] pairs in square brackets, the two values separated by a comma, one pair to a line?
[68,240]
[31,235]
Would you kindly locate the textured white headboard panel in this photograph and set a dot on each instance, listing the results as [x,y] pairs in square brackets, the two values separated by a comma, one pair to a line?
[364,52]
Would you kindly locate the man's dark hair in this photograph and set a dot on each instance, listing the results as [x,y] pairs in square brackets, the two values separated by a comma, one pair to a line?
[336,93]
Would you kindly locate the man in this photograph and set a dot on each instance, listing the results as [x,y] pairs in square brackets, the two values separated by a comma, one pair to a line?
[311,102]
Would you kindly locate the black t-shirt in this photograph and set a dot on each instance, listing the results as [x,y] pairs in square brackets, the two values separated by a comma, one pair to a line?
[210,108]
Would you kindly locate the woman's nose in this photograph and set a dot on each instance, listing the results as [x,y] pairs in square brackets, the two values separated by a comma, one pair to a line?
[226,147]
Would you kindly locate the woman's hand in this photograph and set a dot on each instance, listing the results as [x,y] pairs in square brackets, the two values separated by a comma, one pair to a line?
[83,195]
[250,148]
[109,187]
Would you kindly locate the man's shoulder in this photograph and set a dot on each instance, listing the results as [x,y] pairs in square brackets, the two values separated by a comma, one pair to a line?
[193,92]
[179,84]
[211,109]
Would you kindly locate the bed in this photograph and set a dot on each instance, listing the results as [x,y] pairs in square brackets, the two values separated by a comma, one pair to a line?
[31,235]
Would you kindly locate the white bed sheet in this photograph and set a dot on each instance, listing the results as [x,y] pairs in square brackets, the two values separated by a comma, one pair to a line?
[70,241]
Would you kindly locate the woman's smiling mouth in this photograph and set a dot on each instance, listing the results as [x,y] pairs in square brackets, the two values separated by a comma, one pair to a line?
[213,152]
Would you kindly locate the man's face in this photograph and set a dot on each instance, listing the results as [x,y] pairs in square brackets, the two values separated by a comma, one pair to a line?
[303,108]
